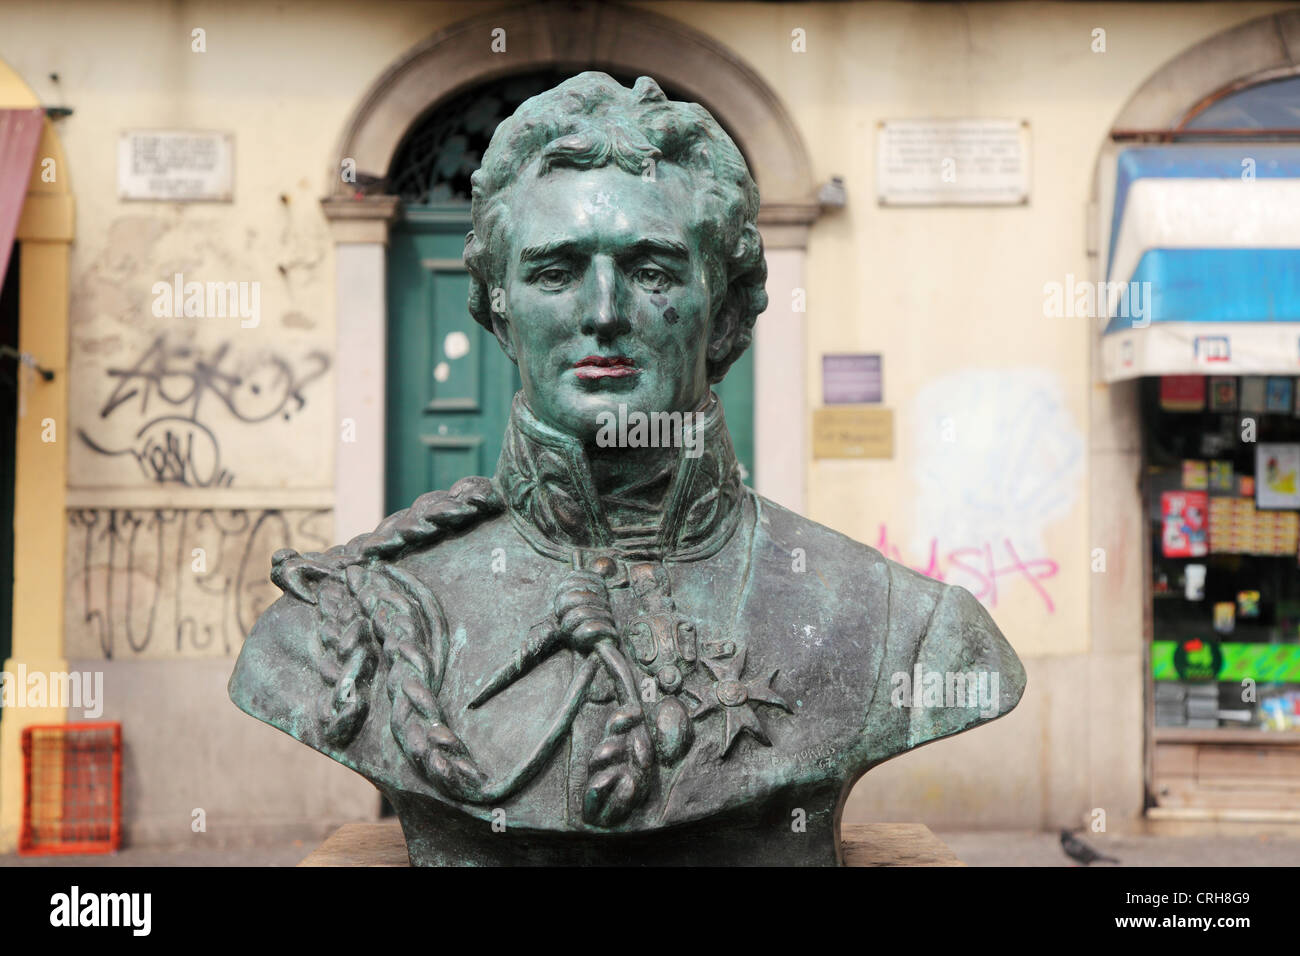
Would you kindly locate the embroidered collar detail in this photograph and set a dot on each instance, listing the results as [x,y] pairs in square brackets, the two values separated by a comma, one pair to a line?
[545,477]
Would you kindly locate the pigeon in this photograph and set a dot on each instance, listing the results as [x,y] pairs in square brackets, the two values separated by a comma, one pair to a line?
[368,184]
[1079,851]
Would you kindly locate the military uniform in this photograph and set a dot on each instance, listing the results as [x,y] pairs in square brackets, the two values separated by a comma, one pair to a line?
[757,658]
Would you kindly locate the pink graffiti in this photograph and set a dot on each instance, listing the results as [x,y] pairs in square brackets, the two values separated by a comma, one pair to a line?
[977,562]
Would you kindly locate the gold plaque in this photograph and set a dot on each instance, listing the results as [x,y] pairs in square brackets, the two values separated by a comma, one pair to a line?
[853,431]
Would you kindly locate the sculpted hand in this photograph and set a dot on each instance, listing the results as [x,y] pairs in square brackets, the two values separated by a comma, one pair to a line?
[582,611]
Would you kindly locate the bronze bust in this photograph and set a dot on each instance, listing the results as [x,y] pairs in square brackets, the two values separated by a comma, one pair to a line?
[613,651]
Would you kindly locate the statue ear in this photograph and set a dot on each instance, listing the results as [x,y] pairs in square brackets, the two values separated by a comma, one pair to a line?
[722,329]
[501,329]
[486,300]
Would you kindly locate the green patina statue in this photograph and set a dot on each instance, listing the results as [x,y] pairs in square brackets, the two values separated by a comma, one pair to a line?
[613,651]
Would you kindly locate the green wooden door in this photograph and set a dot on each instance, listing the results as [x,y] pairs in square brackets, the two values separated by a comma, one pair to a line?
[736,392]
[449,384]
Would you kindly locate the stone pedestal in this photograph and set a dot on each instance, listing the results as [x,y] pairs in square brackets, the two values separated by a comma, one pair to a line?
[865,844]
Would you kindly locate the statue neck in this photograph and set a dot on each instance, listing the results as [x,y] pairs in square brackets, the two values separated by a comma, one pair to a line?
[652,502]
[632,483]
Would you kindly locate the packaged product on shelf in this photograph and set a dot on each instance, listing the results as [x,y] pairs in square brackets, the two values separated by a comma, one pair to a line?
[1196,475]
[1223,393]
[1185,524]
[1221,476]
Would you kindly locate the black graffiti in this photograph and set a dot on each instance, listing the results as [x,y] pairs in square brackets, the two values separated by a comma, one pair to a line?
[174,450]
[169,386]
[140,583]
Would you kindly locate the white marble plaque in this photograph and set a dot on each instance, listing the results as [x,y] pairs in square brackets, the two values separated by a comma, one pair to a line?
[176,165]
[952,162]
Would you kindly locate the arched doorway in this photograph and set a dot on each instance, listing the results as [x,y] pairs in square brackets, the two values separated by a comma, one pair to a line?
[1171,201]
[565,38]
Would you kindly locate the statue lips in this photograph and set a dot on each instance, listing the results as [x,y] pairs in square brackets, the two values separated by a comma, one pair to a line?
[598,367]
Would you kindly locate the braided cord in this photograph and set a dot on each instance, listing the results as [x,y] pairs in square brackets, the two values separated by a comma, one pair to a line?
[354,621]
[367,606]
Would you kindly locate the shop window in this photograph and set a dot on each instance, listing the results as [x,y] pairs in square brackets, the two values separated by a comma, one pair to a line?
[1222,492]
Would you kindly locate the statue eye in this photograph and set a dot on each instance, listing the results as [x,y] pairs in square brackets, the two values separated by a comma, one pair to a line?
[652,279]
[552,278]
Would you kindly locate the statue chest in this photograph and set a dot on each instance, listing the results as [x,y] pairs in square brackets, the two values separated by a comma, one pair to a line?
[717,692]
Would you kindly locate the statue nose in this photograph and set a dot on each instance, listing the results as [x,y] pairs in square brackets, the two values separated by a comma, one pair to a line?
[603,317]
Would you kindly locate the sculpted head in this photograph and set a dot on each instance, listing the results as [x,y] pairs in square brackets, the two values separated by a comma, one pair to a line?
[614,251]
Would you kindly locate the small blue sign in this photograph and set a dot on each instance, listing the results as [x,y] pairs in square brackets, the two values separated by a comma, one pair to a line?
[852,379]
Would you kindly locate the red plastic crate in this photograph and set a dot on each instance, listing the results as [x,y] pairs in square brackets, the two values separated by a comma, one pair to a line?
[72,789]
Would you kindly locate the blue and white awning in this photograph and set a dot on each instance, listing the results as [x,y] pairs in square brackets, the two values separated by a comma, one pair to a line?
[1203,262]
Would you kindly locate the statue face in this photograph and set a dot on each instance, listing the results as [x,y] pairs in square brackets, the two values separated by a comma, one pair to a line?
[606,295]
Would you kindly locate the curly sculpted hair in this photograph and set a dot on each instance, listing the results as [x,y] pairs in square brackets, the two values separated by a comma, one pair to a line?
[591,120]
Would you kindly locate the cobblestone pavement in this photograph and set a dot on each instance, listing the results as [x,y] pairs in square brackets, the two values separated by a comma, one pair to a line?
[984,848]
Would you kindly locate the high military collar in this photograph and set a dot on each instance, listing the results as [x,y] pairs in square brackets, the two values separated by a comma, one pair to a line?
[545,477]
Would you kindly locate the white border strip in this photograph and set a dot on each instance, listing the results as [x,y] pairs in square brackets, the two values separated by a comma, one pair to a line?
[1202,348]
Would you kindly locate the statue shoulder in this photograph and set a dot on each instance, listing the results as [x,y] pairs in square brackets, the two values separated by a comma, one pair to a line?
[790,530]
[267,679]
[836,570]
[943,665]
[433,517]
[964,671]
[308,665]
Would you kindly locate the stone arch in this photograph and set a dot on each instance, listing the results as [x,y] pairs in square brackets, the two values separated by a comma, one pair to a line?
[583,36]
[1262,49]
